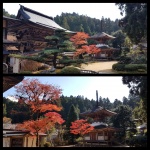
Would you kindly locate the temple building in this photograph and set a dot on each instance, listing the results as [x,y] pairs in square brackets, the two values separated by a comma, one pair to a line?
[26,34]
[106,51]
[102,133]
[32,28]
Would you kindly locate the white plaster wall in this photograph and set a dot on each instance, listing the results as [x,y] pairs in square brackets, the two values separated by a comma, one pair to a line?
[6,142]
[87,138]
[16,65]
[102,138]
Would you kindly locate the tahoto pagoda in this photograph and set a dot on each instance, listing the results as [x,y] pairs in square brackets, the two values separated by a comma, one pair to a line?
[102,132]
[106,51]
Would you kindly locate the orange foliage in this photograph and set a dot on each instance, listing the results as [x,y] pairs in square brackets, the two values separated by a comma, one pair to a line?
[38,106]
[79,39]
[91,49]
[42,124]
[39,97]
[54,117]
[80,127]
[33,90]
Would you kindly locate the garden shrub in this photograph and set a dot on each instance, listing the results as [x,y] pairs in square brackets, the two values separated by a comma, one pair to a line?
[137,141]
[47,144]
[135,67]
[57,141]
[125,60]
[118,67]
[130,67]
[70,70]
[140,59]
[25,72]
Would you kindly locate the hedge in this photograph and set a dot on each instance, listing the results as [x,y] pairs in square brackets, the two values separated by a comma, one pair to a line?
[135,67]
[129,67]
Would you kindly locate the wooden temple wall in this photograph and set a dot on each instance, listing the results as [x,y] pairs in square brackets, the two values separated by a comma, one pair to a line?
[4,23]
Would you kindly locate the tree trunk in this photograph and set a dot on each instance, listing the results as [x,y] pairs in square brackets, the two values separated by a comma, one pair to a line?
[37,140]
[80,56]
[54,60]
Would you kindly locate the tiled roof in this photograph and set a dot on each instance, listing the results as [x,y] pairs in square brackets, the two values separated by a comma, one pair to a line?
[40,19]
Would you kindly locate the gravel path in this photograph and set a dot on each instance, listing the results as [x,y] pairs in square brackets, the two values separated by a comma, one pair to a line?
[104,66]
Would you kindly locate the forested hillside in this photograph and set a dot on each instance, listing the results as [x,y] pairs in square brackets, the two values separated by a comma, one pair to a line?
[19,113]
[75,22]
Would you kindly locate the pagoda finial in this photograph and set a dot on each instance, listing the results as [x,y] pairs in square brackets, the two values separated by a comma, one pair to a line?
[96,98]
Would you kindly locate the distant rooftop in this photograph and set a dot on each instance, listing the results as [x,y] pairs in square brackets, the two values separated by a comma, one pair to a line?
[102,35]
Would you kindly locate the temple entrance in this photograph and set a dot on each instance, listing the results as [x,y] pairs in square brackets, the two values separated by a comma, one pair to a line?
[93,136]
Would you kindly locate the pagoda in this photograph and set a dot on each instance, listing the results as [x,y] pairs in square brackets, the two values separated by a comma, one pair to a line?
[106,51]
[102,133]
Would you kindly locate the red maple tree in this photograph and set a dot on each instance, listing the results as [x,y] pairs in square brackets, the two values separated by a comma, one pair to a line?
[80,42]
[91,49]
[41,125]
[40,98]
[80,127]
[79,39]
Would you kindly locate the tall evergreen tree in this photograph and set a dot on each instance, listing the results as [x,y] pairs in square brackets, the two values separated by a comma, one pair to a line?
[135,21]
[72,116]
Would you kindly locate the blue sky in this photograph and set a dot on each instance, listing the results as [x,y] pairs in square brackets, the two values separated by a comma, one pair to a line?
[93,10]
[108,86]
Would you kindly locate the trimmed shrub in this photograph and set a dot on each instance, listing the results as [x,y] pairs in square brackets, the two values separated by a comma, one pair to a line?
[135,67]
[118,67]
[130,67]
[70,70]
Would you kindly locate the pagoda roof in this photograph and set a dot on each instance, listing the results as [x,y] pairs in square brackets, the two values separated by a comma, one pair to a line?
[29,15]
[102,35]
[99,113]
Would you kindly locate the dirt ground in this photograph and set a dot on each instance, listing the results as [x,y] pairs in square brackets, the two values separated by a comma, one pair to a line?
[104,66]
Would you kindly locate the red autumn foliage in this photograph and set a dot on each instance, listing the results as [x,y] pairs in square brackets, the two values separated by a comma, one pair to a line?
[80,127]
[39,98]
[42,124]
[40,107]
[79,39]
[33,90]
[91,49]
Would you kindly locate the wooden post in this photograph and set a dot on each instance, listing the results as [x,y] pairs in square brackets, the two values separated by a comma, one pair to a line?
[104,135]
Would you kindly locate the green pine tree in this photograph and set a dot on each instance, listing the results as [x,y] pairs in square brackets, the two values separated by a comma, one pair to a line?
[72,116]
